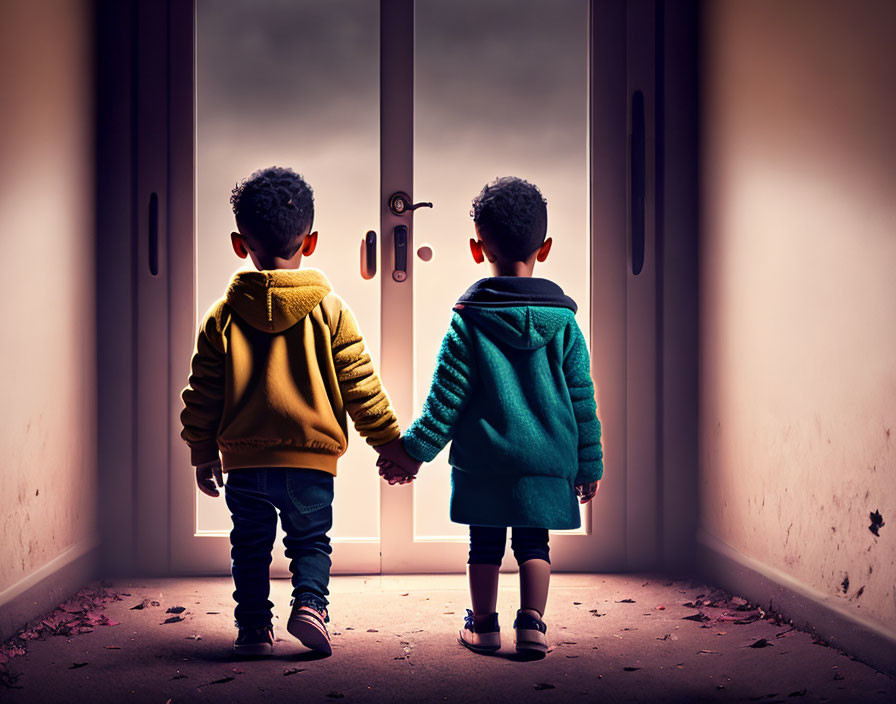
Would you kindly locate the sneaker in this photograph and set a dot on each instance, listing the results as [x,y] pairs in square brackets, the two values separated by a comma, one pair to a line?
[484,639]
[530,634]
[308,625]
[254,641]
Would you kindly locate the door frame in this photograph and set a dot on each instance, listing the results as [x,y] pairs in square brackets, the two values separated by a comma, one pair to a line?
[145,146]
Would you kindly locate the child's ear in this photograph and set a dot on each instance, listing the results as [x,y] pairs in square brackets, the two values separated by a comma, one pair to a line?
[476,251]
[309,244]
[544,250]
[239,245]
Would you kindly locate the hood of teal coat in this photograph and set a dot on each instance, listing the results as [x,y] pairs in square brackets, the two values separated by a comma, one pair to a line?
[522,327]
[522,312]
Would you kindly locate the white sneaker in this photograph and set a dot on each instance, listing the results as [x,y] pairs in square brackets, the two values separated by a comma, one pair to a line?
[485,639]
[531,640]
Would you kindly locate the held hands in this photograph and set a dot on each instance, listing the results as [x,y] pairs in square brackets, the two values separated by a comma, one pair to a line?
[586,492]
[396,466]
[205,473]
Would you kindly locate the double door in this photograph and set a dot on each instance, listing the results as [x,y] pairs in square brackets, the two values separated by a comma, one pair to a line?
[431,99]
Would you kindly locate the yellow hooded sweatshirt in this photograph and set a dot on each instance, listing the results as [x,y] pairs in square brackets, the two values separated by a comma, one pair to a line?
[278,362]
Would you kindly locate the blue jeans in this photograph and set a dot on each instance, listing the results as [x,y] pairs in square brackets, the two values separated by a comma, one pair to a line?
[304,498]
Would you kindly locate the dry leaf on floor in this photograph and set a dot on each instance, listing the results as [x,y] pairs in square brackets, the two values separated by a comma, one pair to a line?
[292,671]
[761,643]
[543,685]
[172,619]
[696,617]
[176,610]
[76,665]
[626,601]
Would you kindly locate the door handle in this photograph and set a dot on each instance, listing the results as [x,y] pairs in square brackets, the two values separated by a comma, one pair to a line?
[368,255]
[400,203]
[400,243]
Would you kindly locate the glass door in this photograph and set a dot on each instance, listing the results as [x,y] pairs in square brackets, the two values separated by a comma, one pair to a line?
[432,98]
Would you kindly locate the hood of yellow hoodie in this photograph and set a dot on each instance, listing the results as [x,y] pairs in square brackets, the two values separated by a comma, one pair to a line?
[273,301]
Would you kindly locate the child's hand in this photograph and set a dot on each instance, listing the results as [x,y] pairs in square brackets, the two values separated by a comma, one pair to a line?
[204,474]
[392,473]
[394,453]
[586,492]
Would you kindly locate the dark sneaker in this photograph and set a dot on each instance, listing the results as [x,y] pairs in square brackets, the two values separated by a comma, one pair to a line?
[254,641]
[308,625]
[531,640]
[484,639]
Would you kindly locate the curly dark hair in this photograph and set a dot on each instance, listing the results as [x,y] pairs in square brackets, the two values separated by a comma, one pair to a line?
[276,206]
[512,217]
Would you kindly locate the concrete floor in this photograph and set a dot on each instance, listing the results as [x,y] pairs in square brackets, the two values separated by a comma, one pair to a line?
[394,641]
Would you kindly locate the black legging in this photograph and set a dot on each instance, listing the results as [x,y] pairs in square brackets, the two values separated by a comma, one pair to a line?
[487,544]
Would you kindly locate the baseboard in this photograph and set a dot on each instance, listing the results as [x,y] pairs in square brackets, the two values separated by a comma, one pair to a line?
[47,587]
[808,608]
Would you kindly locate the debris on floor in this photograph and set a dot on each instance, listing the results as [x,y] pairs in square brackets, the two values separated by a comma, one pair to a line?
[657,655]
[80,614]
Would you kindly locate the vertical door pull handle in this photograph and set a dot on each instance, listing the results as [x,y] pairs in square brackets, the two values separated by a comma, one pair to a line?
[638,180]
[368,255]
[154,234]
[400,242]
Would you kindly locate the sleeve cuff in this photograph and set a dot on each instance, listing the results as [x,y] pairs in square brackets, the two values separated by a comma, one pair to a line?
[387,435]
[204,453]
[418,449]
[590,474]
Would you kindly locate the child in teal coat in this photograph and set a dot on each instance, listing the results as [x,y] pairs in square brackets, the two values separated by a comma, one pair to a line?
[512,391]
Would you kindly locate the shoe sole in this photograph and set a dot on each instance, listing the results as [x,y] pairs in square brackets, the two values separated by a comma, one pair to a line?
[310,635]
[531,644]
[478,648]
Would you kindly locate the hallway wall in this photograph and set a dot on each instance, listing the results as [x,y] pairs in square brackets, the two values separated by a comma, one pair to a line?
[798,294]
[47,347]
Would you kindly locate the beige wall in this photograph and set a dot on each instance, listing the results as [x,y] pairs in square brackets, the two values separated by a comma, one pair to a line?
[798,291]
[48,392]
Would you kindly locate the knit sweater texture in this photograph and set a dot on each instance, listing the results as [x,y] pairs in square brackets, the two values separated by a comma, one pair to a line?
[278,363]
[512,392]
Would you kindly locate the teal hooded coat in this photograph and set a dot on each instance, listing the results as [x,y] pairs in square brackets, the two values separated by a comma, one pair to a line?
[512,392]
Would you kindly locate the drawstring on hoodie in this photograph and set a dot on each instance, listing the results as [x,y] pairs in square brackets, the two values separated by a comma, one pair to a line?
[270,301]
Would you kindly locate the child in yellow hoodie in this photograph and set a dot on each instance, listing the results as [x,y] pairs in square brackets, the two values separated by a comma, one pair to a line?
[279,360]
